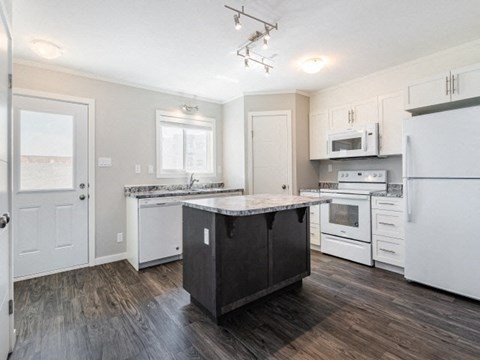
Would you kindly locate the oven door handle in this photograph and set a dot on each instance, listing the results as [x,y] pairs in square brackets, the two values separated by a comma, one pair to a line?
[346,196]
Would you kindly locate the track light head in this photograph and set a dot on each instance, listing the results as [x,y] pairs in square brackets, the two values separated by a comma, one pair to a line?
[267,33]
[267,71]
[238,24]
[247,53]
[247,65]
[265,44]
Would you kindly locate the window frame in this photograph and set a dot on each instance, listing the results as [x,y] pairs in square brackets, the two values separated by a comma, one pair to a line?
[183,119]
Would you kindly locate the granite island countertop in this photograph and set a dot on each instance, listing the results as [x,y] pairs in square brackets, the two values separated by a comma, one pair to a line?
[254,204]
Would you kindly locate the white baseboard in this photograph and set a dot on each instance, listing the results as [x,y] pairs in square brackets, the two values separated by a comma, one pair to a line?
[110,258]
[32,276]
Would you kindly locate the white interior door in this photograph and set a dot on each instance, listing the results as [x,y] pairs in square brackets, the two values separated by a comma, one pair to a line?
[271,153]
[6,291]
[50,185]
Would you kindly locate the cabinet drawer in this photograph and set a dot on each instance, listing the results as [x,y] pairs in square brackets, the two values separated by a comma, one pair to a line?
[387,223]
[314,235]
[387,203]
[388,250]
[315,215]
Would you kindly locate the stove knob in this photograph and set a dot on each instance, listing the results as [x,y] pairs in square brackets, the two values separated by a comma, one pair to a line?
[374,175]
[342,175]
[380,175]
[346,175]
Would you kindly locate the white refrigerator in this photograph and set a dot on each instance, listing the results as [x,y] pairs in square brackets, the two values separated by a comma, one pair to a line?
[441,171]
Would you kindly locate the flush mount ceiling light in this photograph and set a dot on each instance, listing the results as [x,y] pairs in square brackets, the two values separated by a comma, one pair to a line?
[245,50]
[46,49]
[189,108]
[313,66]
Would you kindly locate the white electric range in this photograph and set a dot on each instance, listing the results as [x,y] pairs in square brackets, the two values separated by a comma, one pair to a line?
[346,221]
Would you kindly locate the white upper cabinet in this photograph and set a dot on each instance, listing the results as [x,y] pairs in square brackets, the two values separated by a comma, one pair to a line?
[365,112]
[454,85]
[427,92]
[340,117]
[392,113]
[318,136]
[354,115]
[465,82]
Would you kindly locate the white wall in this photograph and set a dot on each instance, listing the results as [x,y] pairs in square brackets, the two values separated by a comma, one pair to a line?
[125,131]
[383,82]
[234,144]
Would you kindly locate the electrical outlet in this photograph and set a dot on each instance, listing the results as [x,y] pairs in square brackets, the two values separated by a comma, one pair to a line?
[104,162]
[138,169]
[119,237]
[206,236]
[150,169]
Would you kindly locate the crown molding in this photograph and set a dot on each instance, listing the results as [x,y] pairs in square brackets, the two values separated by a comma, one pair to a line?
[69,71]
[280,92]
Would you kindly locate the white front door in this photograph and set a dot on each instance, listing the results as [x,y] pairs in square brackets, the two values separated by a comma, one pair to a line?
[50,185]
[271,153]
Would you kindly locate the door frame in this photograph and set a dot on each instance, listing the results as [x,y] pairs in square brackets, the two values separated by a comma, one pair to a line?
[251,115]
[91,169]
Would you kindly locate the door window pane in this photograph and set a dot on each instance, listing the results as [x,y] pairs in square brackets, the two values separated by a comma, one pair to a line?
[46,151]
[346,215]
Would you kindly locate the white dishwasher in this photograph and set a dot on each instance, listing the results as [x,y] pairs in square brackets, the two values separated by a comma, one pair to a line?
[160,230]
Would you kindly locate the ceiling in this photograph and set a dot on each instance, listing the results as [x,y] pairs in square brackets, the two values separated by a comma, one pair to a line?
[189,46]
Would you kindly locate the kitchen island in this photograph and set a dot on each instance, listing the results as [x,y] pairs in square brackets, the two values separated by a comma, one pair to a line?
[239,249]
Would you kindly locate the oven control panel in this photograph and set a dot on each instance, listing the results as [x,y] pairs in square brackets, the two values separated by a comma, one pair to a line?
[368,176]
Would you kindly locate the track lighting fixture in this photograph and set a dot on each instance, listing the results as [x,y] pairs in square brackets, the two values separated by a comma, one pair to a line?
[244,50]
[267,71]
[267,33]
[238,24]
[189,108]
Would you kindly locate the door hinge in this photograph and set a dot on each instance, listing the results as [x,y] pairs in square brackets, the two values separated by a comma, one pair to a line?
[10,81]
[10,307]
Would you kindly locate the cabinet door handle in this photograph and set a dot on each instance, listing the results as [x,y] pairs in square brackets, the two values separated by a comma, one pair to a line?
[446,85]
[349,116]
[388,251]
[453,84]
[353,116]
[384,223]
[385,203]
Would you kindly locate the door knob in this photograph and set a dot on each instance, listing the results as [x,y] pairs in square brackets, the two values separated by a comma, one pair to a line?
[4,220]
[284,186]
[82,197]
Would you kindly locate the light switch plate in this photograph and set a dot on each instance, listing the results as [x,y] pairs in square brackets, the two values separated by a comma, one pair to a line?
[119,237]
[206,236]
[104,162]
[138,169]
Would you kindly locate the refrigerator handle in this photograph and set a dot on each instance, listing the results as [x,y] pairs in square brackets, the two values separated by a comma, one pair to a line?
[407,195]
[406,141]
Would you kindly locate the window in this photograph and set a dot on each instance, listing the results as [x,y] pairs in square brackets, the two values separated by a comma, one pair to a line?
[185,145]
[46,151]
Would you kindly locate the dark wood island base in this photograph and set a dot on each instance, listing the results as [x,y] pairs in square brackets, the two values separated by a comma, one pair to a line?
[230,261]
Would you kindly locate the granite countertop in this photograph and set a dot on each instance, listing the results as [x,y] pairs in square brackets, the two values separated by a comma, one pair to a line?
[397,194]
[254,204]
[180,192]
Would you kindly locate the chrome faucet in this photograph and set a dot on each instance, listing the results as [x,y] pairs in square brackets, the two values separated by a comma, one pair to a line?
[192,181]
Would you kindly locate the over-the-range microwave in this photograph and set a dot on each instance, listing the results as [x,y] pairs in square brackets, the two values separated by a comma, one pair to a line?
[353,143]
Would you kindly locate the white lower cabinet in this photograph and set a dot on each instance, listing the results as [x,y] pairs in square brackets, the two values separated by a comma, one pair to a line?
[314,221]
[388,231]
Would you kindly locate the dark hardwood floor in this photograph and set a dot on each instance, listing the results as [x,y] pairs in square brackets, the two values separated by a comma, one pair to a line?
[343,311]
